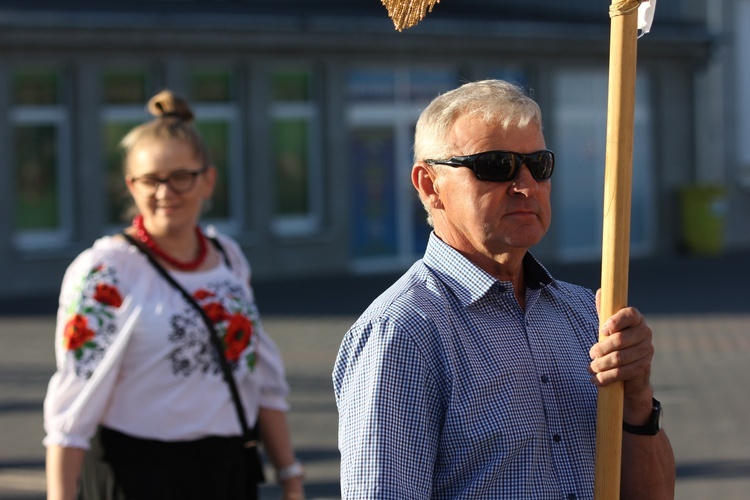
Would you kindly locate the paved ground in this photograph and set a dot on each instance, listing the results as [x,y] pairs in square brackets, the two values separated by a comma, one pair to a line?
[696,307]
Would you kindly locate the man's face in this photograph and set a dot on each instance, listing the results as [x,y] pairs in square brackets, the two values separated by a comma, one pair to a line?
[485,218]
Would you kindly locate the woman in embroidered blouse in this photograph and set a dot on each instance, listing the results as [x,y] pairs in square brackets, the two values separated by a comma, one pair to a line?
[137,382]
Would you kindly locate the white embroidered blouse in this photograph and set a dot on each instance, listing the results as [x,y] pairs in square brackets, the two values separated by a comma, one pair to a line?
[133,355]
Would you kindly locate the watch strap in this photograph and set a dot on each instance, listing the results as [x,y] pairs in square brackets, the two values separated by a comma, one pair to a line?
[650,428]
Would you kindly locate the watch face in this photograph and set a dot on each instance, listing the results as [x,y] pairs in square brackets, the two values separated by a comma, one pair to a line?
[659,416]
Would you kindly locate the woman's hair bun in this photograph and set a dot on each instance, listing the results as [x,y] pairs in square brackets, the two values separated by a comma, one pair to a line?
[166,104]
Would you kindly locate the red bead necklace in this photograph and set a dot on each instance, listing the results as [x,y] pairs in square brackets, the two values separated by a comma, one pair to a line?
[145,238]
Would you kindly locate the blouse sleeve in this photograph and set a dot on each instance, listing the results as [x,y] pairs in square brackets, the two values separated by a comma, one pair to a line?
[274,388]
[94,321]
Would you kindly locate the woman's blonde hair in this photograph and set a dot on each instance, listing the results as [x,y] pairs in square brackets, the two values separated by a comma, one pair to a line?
[173,120]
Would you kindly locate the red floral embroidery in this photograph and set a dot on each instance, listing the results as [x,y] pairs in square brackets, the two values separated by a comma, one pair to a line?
[77,333]
[108,295]
[233,316]
[92,317]
[216,312]
[237,338]
[203,294]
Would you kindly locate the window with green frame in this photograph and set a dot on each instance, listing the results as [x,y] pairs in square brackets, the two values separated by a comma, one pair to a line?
[125,93]
[291,162]
[37,126]
[212,96]
[211,85]
[36,161]
[216,135]
[291,85]
[126,86]
[120,206]
[36,87]
[296,199]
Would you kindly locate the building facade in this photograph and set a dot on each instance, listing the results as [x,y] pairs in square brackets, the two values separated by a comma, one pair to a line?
[309,107]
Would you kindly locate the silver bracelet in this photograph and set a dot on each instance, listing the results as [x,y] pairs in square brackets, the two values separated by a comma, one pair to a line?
[290,471]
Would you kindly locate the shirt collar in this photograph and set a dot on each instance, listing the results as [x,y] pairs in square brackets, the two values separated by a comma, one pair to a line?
[467,280]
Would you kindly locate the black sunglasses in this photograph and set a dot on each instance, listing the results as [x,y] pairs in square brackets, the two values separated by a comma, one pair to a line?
[503,166]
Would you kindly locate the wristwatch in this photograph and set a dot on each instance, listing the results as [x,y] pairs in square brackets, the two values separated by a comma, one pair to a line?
[650,428]
[290,471]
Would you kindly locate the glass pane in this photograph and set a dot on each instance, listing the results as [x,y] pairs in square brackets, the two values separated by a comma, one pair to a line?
[36,87]
[580,123]
[425,85]
[36,176]
[125,86]
[119,203]
[291,85]
[291,164]
[211,86]
[374,220]
[512,75]
[216,135]
[580,119]
[371,85]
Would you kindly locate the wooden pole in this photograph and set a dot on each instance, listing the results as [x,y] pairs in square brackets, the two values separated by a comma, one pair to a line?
[616,235]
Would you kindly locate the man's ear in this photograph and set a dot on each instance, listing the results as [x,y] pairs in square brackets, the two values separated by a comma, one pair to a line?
[425,181]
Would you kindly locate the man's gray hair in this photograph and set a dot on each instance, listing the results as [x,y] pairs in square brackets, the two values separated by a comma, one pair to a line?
[496,101]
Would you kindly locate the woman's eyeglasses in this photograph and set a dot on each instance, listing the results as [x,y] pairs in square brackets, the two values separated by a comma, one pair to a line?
[180,182]
[503,166]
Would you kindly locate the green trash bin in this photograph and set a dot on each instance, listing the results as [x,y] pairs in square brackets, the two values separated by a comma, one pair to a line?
[704,215]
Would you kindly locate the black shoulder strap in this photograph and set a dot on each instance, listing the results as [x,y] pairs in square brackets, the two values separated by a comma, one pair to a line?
[249,435]
[221,250]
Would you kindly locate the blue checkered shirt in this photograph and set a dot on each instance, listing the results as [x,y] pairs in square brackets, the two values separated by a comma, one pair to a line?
[446,388]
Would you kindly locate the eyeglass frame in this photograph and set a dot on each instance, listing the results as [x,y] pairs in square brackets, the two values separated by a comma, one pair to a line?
[469,161]
[167,180]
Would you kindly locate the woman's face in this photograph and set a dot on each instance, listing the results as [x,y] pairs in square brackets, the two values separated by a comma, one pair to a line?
[173,206]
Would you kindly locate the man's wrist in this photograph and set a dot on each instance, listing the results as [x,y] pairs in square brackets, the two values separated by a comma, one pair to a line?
[652,425]
[637,410]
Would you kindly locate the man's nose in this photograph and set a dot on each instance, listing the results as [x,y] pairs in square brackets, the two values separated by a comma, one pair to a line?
[524,180]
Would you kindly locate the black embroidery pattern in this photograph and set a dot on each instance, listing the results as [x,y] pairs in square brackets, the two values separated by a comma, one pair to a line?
[193,350]
[234,318]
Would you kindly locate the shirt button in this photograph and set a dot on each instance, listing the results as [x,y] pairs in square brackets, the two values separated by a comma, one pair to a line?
[557,438]
[545,379]
[571,496]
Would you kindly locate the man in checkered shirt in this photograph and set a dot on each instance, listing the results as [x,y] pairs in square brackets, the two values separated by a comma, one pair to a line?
[475,375]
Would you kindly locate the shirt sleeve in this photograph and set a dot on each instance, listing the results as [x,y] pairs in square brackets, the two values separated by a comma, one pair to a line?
[94,321]
[390,414]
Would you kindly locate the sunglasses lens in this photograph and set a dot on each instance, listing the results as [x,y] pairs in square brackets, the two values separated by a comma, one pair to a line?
[497,166]
[541,165]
